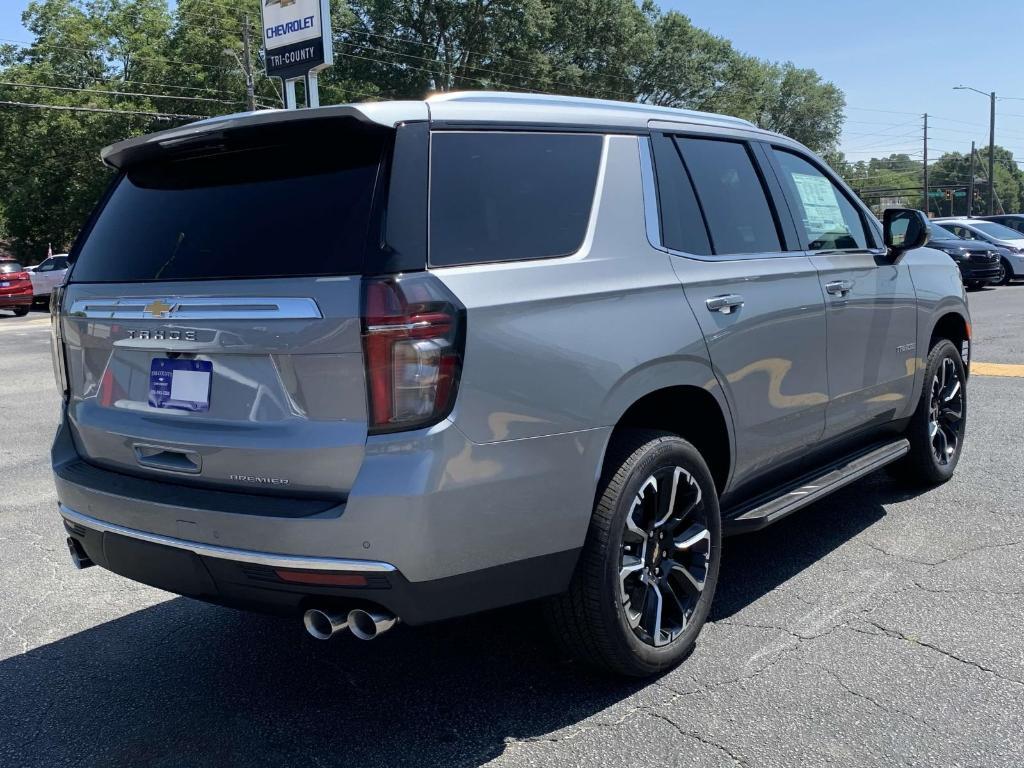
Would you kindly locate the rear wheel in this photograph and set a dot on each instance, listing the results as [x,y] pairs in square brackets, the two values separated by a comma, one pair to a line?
[21,311]
[646,577]
[937,428]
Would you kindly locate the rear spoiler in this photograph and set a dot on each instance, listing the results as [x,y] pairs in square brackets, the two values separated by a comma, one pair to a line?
[385,114]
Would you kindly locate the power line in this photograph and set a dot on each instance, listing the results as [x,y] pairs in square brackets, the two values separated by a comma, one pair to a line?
[99,110]
[115,93]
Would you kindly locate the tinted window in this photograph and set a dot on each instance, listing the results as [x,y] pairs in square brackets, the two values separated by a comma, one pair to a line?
[682,226]
[60,262]
[510,196]
[731,195]
[828,219]
[935,232]
[275,203]
[7,267]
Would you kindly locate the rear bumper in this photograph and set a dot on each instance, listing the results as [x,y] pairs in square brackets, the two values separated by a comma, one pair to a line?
[251,580]
[16,300]
[450,526]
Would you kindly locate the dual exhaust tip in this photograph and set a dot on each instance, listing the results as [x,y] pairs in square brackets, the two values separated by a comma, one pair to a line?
[366,625]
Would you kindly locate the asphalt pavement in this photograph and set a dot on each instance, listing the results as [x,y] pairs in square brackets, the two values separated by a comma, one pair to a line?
[878,627]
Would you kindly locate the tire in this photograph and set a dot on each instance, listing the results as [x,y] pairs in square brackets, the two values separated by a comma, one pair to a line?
[924,464]
[973,285]
[592,620]
[21,311]
[1006,275]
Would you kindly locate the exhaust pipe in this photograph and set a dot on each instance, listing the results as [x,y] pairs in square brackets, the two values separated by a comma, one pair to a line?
[323,625]
[78,557]
[367,625]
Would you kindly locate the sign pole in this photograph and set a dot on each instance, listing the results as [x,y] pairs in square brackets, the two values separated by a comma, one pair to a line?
[289,94]
[312,90]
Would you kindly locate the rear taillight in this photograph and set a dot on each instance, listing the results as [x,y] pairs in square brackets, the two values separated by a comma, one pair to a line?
[413,331]
[57,341]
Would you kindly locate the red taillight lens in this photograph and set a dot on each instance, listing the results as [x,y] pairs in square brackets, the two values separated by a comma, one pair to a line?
[412,340]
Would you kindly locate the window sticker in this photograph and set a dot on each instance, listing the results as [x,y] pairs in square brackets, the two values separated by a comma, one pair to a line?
[821,208]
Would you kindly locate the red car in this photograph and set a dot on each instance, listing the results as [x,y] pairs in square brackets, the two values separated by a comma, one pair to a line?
[15,288]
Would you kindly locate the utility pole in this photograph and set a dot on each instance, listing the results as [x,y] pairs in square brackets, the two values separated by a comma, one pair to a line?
[250,86]
[992,155]
[970,189]
[991,143]
[927,202]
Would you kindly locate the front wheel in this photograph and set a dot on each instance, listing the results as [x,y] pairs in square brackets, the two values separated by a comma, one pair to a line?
[646,577]
[937,428]
[1005,273]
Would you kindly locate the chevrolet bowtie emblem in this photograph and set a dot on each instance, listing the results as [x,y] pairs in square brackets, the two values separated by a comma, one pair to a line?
[158,308]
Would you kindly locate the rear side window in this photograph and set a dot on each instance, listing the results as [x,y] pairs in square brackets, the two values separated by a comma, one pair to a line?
[731,195]
[828,219]
[510,196]
[285,202]
[682,226]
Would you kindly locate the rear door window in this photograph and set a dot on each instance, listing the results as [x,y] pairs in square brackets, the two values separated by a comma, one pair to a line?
[510,196]
[682,224]
[829,221]
[293,202]
[732,196]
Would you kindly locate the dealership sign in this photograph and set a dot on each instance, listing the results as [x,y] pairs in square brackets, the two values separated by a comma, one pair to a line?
[296,37]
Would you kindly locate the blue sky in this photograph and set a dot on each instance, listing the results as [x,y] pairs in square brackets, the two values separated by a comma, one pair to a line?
[894,59]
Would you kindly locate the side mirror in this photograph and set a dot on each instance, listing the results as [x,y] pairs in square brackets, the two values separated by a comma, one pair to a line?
[903,230]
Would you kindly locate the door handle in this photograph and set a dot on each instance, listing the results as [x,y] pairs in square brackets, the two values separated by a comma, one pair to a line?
[724,304]
[839,287]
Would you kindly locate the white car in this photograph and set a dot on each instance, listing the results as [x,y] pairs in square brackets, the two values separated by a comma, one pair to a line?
[49,275]
[1009,242]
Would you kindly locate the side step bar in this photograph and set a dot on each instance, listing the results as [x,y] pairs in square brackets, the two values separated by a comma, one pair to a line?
[766,510]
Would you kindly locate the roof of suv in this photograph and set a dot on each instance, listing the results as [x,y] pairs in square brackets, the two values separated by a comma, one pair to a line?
[468,108]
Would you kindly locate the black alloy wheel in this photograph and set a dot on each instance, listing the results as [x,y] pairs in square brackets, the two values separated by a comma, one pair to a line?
[666,554]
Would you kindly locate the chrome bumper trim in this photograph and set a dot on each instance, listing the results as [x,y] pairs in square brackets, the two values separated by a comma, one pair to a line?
[228,553]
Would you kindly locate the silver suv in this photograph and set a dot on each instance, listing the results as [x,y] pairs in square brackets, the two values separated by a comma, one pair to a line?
[407,361]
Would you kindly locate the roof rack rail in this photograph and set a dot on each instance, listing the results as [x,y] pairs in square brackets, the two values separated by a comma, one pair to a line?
[549,99]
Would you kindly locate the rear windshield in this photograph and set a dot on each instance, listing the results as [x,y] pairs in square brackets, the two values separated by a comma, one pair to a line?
[7,267]
[280,202]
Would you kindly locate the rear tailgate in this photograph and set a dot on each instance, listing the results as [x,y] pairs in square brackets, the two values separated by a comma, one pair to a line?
[212,317]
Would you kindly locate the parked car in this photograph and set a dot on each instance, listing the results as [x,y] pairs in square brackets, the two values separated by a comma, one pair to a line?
[1009,241]
[979,265]
[536,347]
[49,275]
[15,287]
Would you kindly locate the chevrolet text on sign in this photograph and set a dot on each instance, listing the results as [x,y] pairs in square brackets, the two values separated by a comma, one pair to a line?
[295,37]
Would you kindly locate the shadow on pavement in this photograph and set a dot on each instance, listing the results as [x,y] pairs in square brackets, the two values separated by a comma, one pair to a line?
[184,683]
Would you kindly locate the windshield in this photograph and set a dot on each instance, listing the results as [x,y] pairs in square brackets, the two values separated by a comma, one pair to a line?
[7,267]
[997,231]
[269,204]
[935,232]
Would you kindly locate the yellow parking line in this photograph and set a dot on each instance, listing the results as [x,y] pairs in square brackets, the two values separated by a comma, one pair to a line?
[997,369]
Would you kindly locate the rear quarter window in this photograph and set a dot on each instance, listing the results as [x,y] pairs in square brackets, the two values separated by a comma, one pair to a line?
[510,196]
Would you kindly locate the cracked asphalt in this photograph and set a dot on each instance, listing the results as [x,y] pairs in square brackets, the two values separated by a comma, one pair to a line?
[878,627]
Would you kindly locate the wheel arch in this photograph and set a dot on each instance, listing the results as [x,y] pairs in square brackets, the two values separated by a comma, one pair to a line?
[692,412]
[955,327]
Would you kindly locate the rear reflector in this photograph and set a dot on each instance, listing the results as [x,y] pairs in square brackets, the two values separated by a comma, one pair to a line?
[321,578]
